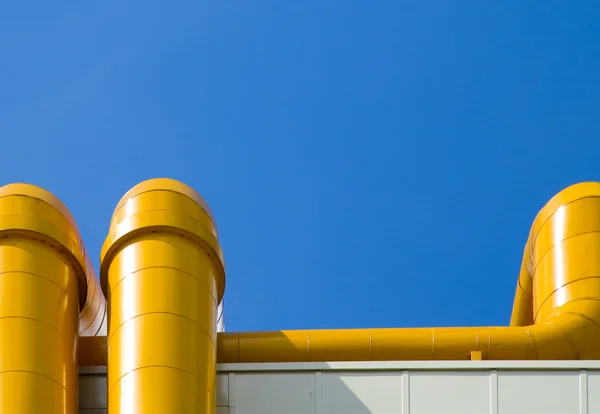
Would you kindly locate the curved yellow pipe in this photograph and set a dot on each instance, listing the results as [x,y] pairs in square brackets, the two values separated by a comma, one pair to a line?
[92,318]
[556,313]
[44,279]
[163,275]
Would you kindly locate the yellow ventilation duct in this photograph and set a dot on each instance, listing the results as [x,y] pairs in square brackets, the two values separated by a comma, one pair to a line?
[556,313]
[163,276]
[48,292]
[162,271]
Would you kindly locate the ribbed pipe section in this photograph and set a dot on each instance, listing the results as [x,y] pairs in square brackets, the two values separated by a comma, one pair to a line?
[162,274]
[556,314]
[43,275]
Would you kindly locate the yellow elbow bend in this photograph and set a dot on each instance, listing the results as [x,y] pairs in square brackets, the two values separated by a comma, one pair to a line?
[163,276]
[44,278]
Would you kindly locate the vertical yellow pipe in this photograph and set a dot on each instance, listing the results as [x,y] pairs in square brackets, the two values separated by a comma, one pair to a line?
[163,276]
[42,277]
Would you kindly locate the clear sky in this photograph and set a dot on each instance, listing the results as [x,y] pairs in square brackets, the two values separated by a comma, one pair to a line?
[369,163]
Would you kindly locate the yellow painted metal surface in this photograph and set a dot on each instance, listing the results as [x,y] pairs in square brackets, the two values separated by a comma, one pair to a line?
[163,276]
[43,274]
[556,313]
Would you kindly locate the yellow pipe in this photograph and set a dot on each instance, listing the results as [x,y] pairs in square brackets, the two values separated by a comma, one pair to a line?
[44,274]
[556,313]
[163,276]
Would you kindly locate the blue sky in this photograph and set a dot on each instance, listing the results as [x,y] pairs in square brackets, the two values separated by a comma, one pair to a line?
[370,164]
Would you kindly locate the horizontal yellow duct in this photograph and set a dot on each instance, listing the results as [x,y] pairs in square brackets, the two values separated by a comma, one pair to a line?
[556,313]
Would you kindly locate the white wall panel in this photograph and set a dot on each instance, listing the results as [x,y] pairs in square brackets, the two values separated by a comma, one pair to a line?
[547,392]
[449,392]
[495,387]
[262,393]
[593,394]
[222,389]
[361,392]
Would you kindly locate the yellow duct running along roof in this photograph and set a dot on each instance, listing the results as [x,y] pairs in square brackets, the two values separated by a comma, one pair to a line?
[556,313]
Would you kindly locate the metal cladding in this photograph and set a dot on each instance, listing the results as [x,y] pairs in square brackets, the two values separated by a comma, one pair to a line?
[45,300]
[163,275]
[556,313]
